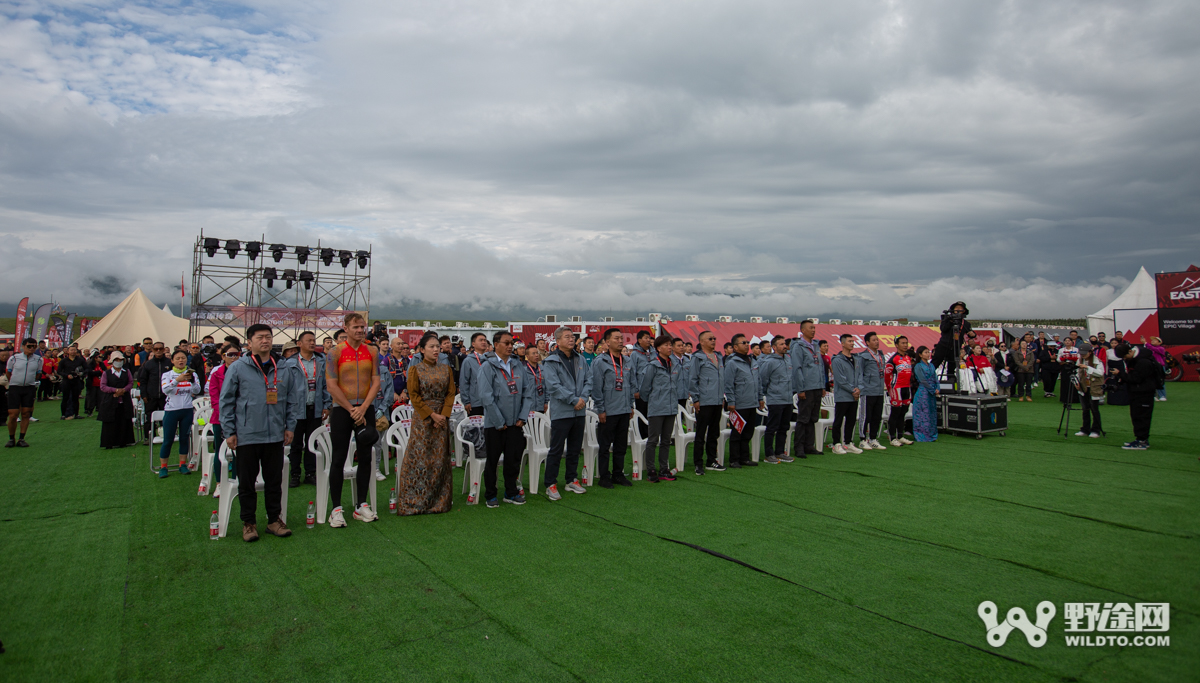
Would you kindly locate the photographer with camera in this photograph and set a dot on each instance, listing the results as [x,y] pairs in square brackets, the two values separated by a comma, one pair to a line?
[1090,375]
[954,328]
[1068,364]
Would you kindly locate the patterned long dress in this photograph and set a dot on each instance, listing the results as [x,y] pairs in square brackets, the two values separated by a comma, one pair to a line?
[427,475]
[925,403]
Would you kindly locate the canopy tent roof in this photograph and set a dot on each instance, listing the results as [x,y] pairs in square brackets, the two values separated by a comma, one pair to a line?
[133,320]
[1139,294]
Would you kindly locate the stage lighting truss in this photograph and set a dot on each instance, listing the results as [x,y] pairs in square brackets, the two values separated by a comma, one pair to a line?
[232,247]
[302,254]
[307,278]
[277,251]
[327,256]
[289,277]
[363,257]
[253,249]
[344,258]
[270,276]
[211,245]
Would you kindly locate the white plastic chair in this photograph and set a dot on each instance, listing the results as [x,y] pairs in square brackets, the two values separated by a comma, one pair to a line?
[537,447]
[591,448]
[402,412]
[685,433]
[206,460]
[229,489]
[825,423]
[321,444]
[201,411]
[637,445]
[473,464]
[156,439]
[723,433]
[756,439]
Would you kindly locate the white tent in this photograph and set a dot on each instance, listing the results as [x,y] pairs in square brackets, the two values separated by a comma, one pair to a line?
[1139,294]
[132,320]
[167,309]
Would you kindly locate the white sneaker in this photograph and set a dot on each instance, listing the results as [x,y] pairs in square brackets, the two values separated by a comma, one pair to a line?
[364,513]
[1095,435]
[896,443]
[552,492]
[838,449]
[877,446]
[380,476]
[851,448]
[336,520]
[1080,433]
[905,441]
[864,444]
[575,487]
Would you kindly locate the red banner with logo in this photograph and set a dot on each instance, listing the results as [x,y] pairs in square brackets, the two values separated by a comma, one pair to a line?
[22,324]
[241,317]
[530,333]
[628,332]
[1178,290]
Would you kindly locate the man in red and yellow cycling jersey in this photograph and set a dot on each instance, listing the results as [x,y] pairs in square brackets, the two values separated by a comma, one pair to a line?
[353,382]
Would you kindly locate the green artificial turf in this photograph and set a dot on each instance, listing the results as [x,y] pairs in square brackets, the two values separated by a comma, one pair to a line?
[836,568]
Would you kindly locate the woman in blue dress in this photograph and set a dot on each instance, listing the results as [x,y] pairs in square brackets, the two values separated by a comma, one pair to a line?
[925,401]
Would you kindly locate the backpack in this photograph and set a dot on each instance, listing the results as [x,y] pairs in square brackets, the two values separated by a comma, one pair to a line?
[1160,376]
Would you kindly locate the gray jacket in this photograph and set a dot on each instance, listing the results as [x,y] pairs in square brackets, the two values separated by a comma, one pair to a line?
[503,406]
[742,386]
[321,400]
[808,368]
[537,385]
[604,382]
[682,367]
[564,389]
[244,410]
[638,360]
[845,381]
[468,385]
[868,374]
[706,380]
[658,388]
[775,374]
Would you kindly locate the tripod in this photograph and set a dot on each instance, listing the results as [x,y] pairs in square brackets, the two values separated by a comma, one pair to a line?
[954,358]
[1070,392]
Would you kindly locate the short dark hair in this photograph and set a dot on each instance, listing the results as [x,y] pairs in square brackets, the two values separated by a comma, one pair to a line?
[477,335]
[609,332]
[663,339]
[843,337]
[921,349]
[776,338]
[676,339]
[353,315]
[207,336]
[704,332]
[898,338]
[806,322]
[1123,349]
[28,341]
[497,336]
[726,345]
[301,335]
[644,333]
[179,351]
[254,329]
[339,331]
[867,336]
[443,338]
[734,339]
[823,342]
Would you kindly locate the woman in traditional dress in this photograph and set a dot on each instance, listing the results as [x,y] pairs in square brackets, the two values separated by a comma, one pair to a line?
[116,404]
[427,475]
[925,401]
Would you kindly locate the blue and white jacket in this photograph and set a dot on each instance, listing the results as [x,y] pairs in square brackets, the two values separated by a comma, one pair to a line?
[565,390]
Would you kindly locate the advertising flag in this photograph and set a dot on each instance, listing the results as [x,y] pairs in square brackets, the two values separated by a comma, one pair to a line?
[70,329]
[22,324]
[41,321]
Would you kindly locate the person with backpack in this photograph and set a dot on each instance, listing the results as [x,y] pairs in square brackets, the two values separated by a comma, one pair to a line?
[1143,376]
[1159,352]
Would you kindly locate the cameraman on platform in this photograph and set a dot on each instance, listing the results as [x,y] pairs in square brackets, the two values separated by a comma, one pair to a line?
[952,318]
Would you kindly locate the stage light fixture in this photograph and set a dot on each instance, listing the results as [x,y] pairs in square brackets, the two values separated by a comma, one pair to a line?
[211,245]
[302,254]
[289,276]
[344,257]
[327,256]
[253,249]
[232,247]
[307,278]
[277,251]
[269,274]
[362,258]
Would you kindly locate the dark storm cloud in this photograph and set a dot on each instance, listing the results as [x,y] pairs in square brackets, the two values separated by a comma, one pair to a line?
[754,157]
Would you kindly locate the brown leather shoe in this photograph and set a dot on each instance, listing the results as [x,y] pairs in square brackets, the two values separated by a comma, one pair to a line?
[278,528]
[249,532]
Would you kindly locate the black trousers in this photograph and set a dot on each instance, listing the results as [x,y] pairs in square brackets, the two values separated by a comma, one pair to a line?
[739,443]
[896,421]
[1141,411]
[1049,377]
[510,443]
[300,456]
[1024,384]
[643,408]
[340,428]
[708,428]
[250,459]
[151,404]
[873,417]
[845,415]
[779,419]
[1091,412]
[70,398]
[613,436]
[91,399]
[566,435]
[808,413]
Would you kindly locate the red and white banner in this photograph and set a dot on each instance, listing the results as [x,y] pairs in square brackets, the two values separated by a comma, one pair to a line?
[530,333]
[629,332]
[1143,323]
[1178,290]
[22,323]
[690,332]
[241,317]
[737,422]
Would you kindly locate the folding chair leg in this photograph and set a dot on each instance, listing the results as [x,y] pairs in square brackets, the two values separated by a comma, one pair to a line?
[535,474]
[226,504]
[284,485]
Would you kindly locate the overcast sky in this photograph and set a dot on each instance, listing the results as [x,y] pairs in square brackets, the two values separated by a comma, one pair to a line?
[742,157]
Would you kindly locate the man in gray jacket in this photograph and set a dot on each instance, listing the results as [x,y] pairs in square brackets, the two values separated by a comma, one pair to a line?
[638,359]
[260,404]
[775,373]
[869,380]
[706,380]
[743,391]
[506,398]
[810,379]
[468,387]
[311,367]
[569,384]
[612,392]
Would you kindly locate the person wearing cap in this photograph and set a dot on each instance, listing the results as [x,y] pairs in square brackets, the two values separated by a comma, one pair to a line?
[116,404]
[290,348]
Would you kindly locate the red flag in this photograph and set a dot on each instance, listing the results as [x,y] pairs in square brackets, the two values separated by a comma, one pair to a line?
[22,324]
[737,422]
[181,292]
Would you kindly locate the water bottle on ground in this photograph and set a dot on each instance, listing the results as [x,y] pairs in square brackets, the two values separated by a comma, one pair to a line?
[637,471]
[392,503]
[214,526]
[586,480]
[310,520]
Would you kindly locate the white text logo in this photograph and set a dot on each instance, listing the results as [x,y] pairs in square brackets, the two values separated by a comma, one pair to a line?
[997,632]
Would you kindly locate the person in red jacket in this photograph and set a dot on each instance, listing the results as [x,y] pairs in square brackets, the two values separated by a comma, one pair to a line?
[897,378]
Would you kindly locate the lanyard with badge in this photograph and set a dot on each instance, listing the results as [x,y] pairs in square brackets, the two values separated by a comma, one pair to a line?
[618,371]
[312,381]
[272,393]
[511,380]
[537,377]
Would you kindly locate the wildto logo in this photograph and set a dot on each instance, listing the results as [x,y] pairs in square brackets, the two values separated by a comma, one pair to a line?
[1084,617]
[997,632]
[1188,290]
